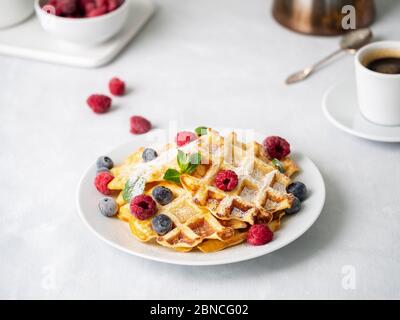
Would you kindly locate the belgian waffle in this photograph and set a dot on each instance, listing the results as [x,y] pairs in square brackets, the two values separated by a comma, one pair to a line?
[192,224]
[203,215]
[261,190]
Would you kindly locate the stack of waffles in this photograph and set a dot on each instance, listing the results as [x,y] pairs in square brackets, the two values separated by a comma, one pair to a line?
[205,217]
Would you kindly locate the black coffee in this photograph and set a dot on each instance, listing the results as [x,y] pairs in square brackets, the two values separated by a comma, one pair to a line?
[385,65]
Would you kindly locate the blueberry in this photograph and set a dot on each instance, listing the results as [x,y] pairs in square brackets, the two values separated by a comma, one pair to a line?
[104,162]
[163,195]
[296,206]
[149,154]
[161,224]
[108,207]
[298,189]
[103,169]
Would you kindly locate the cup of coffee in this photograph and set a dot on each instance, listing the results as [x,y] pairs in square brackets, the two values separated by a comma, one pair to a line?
[378,82]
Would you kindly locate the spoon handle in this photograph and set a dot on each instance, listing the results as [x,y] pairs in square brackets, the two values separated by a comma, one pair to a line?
[303,74]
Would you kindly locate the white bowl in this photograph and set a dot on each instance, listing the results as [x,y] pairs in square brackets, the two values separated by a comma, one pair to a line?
[14,11]
[83,31]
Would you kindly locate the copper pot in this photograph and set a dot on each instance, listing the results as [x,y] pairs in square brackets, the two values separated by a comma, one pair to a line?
[321,17]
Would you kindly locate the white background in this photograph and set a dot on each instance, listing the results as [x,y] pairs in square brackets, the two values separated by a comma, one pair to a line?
[214,63]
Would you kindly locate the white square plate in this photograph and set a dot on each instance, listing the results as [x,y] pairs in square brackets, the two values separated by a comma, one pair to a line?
[29,40]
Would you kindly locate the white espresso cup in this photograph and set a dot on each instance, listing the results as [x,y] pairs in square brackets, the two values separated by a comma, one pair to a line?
[378,93]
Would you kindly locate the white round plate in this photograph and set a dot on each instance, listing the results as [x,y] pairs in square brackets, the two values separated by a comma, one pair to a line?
[117,234]
[340,107]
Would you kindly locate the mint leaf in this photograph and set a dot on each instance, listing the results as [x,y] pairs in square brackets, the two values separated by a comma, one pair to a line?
[194,161]
[277,164]
[129,185]
[183,161]
[133,187]
[201,131]
[172,175]
[186,163]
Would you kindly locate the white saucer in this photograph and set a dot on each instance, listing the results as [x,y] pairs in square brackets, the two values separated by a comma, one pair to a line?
[340,107]
[117,234]
[29,40]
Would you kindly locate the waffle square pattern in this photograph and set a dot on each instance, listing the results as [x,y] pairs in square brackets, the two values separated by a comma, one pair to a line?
[203,216]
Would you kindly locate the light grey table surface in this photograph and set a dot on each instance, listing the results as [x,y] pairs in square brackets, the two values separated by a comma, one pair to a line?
[218,63]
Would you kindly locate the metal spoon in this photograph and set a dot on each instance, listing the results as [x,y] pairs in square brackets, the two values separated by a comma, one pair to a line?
[350,43]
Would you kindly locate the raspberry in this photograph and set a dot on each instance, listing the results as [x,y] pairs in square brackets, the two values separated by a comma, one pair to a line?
[100,3]
[185,137]
[53,7]
[140,125]
[259,234]
[113,4]
[84,6]
[226,180]
[99,11]
[143,207]
[99,103]
[117,87]
[68,7]
[101,182]
[276,147]
[89,6]
[83,3]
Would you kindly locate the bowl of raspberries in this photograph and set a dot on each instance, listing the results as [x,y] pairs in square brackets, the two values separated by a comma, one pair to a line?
[84,22]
